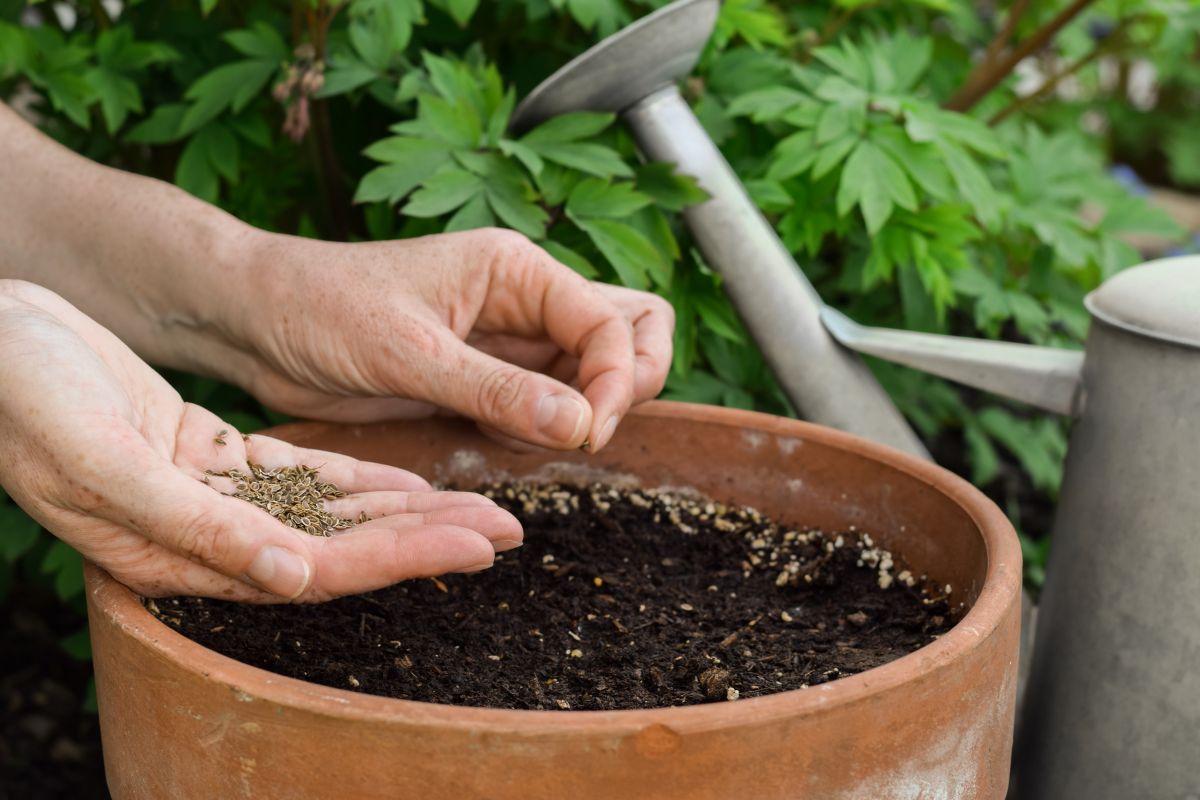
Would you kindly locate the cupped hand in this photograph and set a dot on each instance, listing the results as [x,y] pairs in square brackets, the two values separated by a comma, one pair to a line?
[105,454]
[483,323]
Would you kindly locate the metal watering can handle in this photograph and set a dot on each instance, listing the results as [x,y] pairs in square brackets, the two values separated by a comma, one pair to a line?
[634,72]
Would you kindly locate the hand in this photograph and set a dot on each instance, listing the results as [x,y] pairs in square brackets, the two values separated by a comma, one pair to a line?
[484,323]
[105,454]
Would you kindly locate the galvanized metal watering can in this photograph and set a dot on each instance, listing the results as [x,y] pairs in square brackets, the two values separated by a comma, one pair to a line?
[1112,706]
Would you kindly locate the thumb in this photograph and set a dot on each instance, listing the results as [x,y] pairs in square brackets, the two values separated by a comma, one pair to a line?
[517,402]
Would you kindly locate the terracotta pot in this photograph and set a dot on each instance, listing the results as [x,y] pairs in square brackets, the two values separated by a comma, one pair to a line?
[180,721]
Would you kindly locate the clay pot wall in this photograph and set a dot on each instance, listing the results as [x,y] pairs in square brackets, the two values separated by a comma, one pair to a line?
[180,721]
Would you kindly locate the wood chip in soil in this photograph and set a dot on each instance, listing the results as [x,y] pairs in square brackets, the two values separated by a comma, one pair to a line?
[618,599]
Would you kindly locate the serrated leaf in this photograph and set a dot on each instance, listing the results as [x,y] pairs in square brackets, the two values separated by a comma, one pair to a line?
[456,123]
[569,128]
[476,213]
[921,161]
[409,160]
[260,40]
[532,161]
[572,259]
[117,94]
[668,189]
[228,86]
[769,103]
[594,159]
[162,126]
[829,157]
[769,195]
[443,192]
[593,197]
[794,155]
[626,248]
[973,184]
[874,182]
[516,210]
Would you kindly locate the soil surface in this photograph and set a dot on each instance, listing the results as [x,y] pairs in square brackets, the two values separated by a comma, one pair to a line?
[617,600]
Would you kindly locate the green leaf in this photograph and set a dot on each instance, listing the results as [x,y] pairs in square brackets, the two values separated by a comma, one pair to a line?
[462,10]
[593,197]
[207,6]
[162,126]
[828,157]
[569,128]
[625,247]
[532,161]
[117,94]
[78,645]
[380,30]
[346,75]
[476,213]
[409,161]
[195,172]
[223,150]
[513,205]
[444,191]
[18,532]
[769,195]
[874,181]
[837,121]
[572,259]
[668,189]
[258,41]
[768,103]
[228,86]
[594,159]
[973,184]
[920,160]
[794,155]
[719,318]
[66,566]
[457,124]
[754,21]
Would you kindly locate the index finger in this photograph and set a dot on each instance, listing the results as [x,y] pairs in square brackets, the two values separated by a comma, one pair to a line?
[554,300]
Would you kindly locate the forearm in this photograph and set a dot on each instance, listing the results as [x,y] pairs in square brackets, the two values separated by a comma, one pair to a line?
[158,267]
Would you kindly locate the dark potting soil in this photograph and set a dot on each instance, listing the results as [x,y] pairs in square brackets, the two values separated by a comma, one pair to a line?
[618,599]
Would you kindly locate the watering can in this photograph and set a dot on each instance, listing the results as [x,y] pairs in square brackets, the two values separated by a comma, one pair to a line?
[1111,709]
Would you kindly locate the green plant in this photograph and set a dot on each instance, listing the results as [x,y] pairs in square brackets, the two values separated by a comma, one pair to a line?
[883,139]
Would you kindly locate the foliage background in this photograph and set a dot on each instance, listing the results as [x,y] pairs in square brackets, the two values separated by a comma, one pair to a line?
[936,165]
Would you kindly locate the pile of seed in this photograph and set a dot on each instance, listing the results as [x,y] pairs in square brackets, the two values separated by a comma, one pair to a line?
[293,495]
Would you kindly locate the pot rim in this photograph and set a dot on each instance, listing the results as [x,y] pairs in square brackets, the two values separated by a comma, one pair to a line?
[1001,589]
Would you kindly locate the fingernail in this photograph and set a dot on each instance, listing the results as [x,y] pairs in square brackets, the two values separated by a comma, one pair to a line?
[280,571]
[606,432]
[475,567]
[500,545]
[560,417]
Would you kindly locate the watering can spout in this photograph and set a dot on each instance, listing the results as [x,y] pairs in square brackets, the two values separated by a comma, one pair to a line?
[1045,377]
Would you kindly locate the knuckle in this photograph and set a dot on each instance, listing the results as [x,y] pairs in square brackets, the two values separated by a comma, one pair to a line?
[501,392]
[202,538]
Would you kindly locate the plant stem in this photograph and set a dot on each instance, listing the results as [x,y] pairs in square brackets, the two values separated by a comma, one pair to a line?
[1112,43]
[987,75]
[329,168]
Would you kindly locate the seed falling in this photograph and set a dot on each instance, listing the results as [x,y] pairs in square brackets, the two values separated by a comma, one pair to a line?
[293,495]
